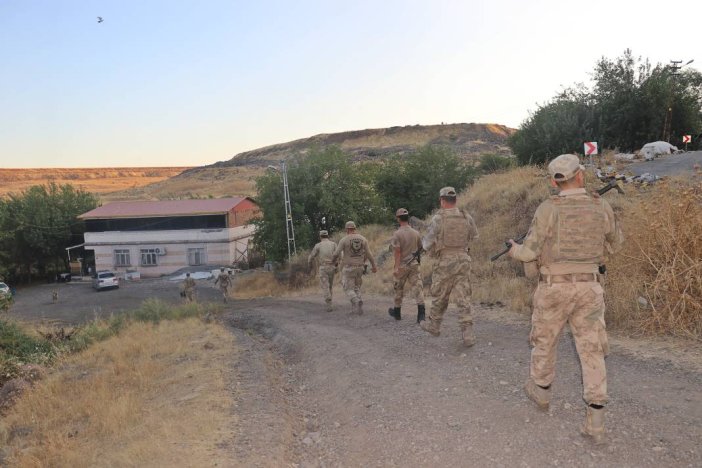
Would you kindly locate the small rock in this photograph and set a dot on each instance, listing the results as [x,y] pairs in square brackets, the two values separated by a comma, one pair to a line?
[503,382]
[336,424]
[315,436]
[489,343]
[642,302]
[311,426]
[208,345]
[657,449]
[567,406]
[307,441]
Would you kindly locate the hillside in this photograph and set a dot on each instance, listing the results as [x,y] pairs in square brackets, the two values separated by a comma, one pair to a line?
[97,180]
[236,176]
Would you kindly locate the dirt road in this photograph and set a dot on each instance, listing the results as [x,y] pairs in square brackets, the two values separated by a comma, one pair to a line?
[326,389]
[676,164]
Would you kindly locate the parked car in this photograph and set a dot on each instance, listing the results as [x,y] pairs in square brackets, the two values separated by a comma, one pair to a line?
[5,290]
[105,280]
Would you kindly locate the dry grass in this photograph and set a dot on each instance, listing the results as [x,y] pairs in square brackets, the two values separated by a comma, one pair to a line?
[156,395]
[257,284]
[661,262]
[96,180]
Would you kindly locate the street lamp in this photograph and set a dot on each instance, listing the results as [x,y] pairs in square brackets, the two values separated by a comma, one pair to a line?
[289,228]
[667,123]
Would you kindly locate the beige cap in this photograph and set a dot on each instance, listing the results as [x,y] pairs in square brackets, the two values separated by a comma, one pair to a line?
[323,233]
[447,192]
[350,225]
[564,167]
[401,212]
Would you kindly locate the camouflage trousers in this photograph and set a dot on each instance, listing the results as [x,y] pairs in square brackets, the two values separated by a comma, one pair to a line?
[224,289]
[451,276]
[326,281]
[351,281]
[189,294]
[582,305]
[408,276]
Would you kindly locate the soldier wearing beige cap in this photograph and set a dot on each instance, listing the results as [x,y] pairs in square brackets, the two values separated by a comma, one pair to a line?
[447,239]
[355,251]
[324,249]
[405,243]
[569,236]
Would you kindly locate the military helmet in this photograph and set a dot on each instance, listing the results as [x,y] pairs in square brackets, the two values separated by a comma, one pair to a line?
[401,212]
[350,225]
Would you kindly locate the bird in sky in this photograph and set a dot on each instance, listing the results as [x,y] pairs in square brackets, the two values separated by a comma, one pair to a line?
[100,20]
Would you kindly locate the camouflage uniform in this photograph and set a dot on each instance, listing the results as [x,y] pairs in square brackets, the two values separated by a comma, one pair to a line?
[408,241]
[448,237]
[327,268]
[569,237]
[355,250]
[189,288]
[225,281]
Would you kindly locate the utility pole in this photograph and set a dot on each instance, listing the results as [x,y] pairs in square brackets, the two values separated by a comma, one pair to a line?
[289,228]
[674,68]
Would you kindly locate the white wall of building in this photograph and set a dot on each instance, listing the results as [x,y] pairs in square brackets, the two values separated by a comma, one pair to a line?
[220,247]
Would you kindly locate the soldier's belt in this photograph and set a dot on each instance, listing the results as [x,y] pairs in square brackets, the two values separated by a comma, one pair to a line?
[570,278]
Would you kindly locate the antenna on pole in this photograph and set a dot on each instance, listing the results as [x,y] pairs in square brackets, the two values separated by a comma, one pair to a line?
[289,228]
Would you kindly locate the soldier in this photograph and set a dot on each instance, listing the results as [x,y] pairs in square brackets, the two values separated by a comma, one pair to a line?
[225,281]
[447,239]
[406,244]
[324,249]
[569,236]
[355,250]
[189,288]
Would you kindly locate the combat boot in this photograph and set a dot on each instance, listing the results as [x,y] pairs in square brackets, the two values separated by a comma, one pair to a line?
[329,306]
[538,395]
[359,308]
[395,312]
[430,326]
[594,425]
[421,316]
[468,336]
[354,308]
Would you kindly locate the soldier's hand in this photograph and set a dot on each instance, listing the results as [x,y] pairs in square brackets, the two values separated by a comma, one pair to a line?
[374,270]
[513,248]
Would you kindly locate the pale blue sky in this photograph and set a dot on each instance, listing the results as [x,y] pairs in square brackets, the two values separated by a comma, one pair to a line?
[171,83]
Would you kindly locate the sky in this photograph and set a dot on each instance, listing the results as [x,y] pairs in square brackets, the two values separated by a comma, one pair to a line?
[183,83]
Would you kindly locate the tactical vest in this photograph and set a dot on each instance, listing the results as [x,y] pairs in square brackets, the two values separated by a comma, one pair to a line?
[454,232]
[579,230]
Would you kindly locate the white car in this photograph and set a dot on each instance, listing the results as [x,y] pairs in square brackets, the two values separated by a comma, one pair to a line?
[5,290]
[105,280]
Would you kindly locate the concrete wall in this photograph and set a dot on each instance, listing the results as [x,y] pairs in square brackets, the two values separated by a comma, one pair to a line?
[221,246]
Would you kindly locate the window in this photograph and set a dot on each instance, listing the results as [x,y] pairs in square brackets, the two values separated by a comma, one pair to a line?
[148,257]
[196,256]
[122,258]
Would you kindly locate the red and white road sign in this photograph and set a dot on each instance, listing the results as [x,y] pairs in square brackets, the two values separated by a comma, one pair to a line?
[590,148]
[687,138]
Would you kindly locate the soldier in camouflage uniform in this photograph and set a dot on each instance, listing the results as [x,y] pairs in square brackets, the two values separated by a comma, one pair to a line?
[225,281]
[405,243]
[355,251]
[447,239]
[569,237]
[189,288]
[324,249]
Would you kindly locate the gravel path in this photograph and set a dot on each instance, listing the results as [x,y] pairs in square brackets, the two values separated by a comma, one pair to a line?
[369,391]
[675,164]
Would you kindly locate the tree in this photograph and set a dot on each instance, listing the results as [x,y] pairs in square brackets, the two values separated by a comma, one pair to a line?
[625,108]
[40,223]
[326,190]
[413,181]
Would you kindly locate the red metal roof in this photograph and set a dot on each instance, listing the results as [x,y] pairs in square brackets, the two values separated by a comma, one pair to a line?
[163,208]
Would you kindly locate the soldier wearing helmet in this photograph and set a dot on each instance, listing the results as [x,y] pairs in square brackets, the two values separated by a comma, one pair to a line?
[569,236]
[447,239]
[405,243]
[355,251]
[324,250]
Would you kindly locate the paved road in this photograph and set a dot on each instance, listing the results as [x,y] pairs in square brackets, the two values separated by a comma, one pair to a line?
[669,165]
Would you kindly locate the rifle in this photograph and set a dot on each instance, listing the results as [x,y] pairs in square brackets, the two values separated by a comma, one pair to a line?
[508,246]
[613,184]
[417,255]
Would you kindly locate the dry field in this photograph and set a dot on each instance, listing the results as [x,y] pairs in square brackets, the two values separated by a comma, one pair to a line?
[97,180]
[155,395]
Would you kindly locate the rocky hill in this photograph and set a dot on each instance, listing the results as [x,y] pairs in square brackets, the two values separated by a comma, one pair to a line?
[466,139]
[236,176]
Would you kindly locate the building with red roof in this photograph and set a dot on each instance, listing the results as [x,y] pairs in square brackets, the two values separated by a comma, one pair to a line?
[159,237]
